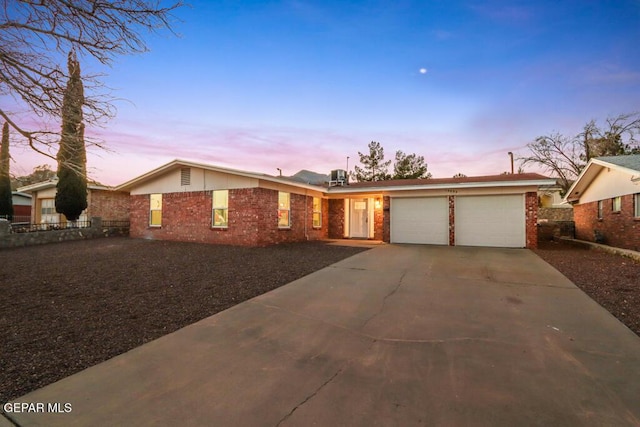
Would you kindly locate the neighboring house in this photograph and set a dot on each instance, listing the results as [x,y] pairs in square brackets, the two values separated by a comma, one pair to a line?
[606,201]
[552,206]
[189,201]
[102,202]
[21,206]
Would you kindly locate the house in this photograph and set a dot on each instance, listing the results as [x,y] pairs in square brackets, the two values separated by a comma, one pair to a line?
[21,206]
[552,206]
[606,201]
[102,202]
[190,201]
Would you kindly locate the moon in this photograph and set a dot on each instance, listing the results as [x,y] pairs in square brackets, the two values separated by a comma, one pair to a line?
[423,71]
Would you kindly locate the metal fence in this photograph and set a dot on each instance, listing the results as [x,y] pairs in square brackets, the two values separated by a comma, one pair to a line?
[18,219]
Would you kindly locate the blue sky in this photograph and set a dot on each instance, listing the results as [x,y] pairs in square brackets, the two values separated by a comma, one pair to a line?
[260,85]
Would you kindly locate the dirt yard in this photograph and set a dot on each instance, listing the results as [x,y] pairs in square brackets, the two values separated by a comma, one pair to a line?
[68,306]
[612,281]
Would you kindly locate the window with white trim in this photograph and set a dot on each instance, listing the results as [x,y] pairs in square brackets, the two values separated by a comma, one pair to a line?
[317,212]
[616,204]
[220,208]
[155,210]
[284,210]
[636,205]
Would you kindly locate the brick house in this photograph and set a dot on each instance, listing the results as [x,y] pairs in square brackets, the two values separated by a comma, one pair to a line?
[189,201]
[102,202]
[606,201]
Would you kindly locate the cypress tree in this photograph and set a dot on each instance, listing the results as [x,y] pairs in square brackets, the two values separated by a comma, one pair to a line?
[6,201]
[71,195]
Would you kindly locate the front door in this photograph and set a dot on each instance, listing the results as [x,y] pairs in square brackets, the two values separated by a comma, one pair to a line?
[359,218]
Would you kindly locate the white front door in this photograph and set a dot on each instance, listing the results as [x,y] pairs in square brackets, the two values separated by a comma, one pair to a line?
[359,218]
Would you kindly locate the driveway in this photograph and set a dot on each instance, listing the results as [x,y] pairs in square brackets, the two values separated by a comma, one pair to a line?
[398,335]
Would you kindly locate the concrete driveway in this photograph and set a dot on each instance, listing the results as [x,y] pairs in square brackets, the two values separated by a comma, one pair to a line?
[398,335]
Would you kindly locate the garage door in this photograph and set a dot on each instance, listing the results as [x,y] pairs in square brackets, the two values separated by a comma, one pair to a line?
[420,220]
[490,221]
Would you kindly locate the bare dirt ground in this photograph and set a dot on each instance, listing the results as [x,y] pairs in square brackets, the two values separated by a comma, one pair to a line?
[68,306]
[613,281]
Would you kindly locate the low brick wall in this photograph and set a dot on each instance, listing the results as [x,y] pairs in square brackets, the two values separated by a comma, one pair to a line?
[13,240]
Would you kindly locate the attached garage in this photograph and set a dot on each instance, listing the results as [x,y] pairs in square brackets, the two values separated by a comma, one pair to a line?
[422,220]
[496,220]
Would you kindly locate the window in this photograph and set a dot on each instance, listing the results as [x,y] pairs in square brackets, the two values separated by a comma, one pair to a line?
[284,210]
[600,212]
[48,213]
[317,212]
[616,204]
[155,210]
[636,204]
[221,208]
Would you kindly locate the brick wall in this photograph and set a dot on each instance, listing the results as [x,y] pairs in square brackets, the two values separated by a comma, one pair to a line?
[336,215]
[618,229]
[378,221]
[253,218]
[386,219]
[452,220]
[109,205]
[531,221]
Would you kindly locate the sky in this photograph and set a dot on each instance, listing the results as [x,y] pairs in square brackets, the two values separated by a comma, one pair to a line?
[261,85]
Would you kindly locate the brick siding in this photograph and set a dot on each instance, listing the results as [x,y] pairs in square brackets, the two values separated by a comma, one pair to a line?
[618,229]
[531,215]
[386,221]
[336,218]
[252,215]
[109,205]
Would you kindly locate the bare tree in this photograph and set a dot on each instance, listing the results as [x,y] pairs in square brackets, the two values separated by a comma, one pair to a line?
[565,157]
[35,36]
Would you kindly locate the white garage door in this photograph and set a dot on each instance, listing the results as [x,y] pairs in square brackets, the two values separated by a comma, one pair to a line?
[490,221]
[420,220]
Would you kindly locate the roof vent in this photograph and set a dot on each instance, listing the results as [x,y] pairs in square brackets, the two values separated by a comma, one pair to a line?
[185,176]
[338,177]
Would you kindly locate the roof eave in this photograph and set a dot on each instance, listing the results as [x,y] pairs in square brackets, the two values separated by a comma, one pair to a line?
[443,186]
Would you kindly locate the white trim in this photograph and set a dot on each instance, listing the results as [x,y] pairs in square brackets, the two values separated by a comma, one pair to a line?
[487,184]
[187,163]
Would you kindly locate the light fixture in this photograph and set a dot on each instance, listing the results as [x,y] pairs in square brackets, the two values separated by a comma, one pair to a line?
[377,203]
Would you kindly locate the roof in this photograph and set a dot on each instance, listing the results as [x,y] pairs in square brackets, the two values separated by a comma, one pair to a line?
[20,194]
[631,161]
[179,163]
[43,185]
[506,180]
[629,164]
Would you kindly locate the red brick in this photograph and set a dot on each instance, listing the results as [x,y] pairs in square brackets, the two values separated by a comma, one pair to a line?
[619,229]
[253,218]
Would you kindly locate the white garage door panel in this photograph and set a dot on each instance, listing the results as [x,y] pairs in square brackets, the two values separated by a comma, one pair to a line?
[422,220]
[490,221]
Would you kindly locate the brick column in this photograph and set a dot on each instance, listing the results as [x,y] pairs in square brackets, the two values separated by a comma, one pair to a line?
[531,225]
[452,220]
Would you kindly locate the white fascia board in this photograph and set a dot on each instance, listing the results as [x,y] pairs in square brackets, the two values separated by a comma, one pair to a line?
[579,181]
[389,189]
[187,163]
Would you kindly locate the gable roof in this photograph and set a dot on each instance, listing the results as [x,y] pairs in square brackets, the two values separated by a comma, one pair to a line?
[179,163]
[504,180]
[43,185]
[629,165]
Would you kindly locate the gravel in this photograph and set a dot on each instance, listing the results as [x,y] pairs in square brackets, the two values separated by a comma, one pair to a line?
[69,306]
[613,281]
